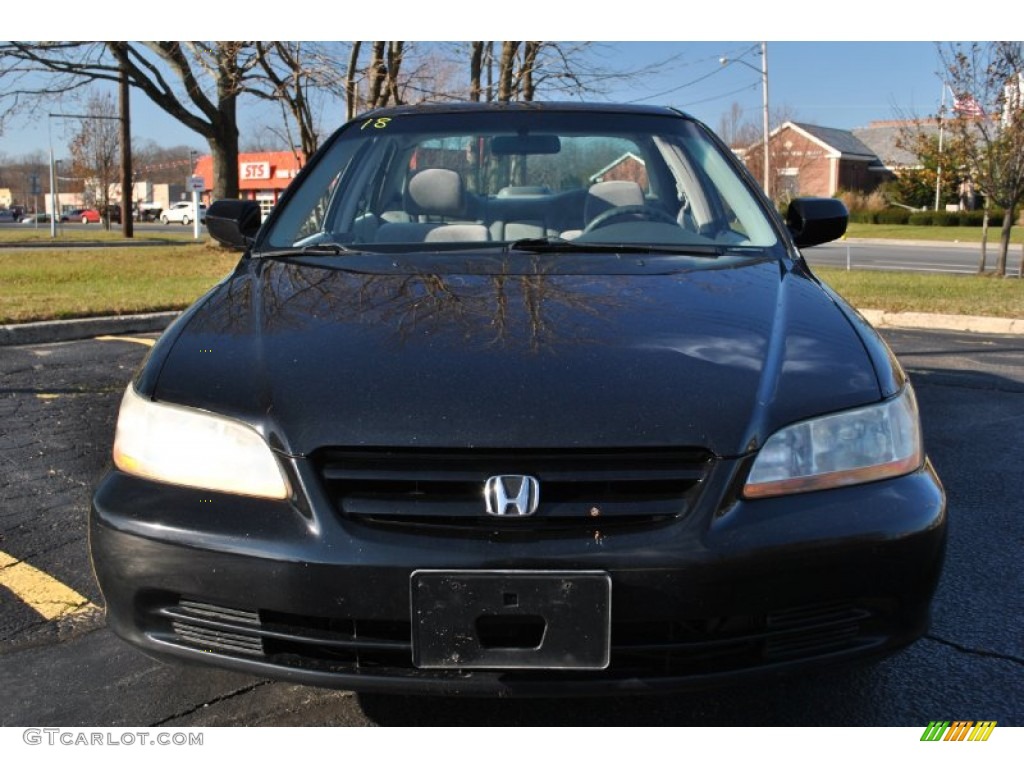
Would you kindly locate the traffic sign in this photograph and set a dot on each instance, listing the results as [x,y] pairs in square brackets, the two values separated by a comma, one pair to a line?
[196,183]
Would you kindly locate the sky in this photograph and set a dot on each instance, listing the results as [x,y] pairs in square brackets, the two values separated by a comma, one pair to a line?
[836,84]
[839,84]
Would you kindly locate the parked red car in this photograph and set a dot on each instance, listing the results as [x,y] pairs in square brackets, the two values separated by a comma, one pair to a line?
[85,215]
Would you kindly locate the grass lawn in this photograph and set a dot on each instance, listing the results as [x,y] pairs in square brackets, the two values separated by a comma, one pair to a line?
[915,292]
[53,284]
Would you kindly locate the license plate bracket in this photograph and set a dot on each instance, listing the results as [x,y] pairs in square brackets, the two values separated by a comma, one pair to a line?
[510,619]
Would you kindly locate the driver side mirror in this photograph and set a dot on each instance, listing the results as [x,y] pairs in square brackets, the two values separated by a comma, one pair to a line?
[816,220]
[234,223]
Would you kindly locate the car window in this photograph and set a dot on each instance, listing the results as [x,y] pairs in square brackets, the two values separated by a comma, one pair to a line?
[422,179]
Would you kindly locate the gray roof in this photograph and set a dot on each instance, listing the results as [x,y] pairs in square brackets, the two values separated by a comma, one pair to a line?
[883,141]
[844,142]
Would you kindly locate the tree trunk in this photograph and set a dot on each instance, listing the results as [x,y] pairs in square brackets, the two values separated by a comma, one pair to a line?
[506,65]
[225,168]
[1004,241]
[984,239]
[394,67]
[476,58]
[224,147]
[489,67]
[530,52]
[377,95]
[224,137]
[351,96]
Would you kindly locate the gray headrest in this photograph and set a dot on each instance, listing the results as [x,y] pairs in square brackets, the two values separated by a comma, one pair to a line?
[606,195]
[434,192]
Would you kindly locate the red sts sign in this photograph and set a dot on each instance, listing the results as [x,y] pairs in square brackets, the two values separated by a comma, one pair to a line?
[254,170]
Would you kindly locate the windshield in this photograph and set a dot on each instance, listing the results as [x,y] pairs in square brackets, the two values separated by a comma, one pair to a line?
[433,181]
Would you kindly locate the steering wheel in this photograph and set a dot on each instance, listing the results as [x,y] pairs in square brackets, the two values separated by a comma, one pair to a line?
[619,211]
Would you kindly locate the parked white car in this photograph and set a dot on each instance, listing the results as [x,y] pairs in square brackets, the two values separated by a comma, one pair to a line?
[184,213]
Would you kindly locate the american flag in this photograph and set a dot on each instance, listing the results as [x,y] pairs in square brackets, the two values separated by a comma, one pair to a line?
[967,106]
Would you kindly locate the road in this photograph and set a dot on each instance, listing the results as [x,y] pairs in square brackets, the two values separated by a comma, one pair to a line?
[942,258]
[57,408]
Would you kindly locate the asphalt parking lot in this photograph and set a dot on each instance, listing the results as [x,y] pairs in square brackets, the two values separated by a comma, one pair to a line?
[57,408]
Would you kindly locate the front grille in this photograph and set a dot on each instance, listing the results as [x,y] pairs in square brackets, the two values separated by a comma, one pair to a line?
[640,649]
[577,487]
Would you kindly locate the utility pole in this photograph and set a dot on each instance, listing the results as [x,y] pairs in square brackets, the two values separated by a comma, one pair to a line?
[127,189]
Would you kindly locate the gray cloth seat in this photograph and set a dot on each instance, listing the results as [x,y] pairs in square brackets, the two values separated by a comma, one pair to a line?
[435,192]
[435,202]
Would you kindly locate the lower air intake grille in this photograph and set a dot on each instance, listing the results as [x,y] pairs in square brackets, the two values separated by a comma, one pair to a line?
[648,649]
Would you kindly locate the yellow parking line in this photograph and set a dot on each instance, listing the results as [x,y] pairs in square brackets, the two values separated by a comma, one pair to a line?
[135,339]
[40,592]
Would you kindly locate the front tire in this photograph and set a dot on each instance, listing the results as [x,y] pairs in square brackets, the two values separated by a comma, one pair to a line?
[163,219]
[85,220]
[185,220]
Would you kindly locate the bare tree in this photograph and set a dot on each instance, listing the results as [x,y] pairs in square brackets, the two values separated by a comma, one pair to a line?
[95,152]
[379,83]
[202,94]
[296,76]
[524,67]
[736,130]
[988,118]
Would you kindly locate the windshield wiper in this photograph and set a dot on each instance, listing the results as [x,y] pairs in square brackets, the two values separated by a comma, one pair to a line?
[314,249]
[561,245]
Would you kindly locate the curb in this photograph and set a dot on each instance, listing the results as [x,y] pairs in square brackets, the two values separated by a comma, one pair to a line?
[51,331]
[917,243]
[921,320]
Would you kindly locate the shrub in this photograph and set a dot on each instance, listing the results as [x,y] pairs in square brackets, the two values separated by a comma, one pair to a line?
[892,216]
[857,202]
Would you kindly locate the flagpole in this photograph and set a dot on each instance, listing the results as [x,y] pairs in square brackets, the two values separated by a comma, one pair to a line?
[938,175]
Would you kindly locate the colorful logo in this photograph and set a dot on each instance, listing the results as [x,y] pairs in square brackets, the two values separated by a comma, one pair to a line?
[958,730]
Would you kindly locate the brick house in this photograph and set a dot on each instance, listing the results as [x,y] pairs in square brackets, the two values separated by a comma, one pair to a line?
[627,167]
[814,161]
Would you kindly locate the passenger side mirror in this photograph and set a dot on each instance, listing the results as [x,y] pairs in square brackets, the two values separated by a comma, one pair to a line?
[234,223]
[816,220]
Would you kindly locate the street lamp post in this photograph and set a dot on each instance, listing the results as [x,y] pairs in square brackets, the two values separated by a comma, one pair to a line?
[53,196]
[764,116]
[192,157]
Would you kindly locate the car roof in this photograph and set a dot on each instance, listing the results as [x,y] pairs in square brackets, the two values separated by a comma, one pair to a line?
[454,107]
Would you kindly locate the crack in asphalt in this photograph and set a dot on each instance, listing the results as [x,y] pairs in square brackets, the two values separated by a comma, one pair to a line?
[217,700]
[37,635]
[975,651]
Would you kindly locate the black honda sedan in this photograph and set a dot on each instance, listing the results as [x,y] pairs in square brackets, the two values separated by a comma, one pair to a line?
[520,399]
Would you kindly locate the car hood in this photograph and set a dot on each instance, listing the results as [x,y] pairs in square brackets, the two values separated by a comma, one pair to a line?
[552,352]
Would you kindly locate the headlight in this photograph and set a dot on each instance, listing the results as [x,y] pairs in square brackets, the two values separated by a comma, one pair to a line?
[190,447]
[848,448]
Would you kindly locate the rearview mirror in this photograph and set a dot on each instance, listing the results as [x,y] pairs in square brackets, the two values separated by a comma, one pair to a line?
[526,144]
[234,223]
[816,220]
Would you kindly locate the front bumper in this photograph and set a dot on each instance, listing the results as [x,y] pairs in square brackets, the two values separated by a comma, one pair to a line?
[726,592]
